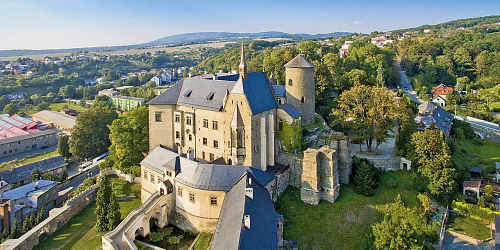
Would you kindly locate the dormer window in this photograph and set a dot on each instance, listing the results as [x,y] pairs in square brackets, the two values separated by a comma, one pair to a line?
[210,96]
[188,93]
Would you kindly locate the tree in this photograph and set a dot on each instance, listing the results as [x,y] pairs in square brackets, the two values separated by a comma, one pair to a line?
[91,133]
[129,140]
[365,179]
[16,231]
[63,146]
[107,209]
[35,175]
[481,202]
[40,216]
[426,203]
[431,155]
[358,77]
[11,109]
[488,192]
[27,225]
[43,106]
[402,228]
[407,125]
[369,111]
[63,175]
[4,100]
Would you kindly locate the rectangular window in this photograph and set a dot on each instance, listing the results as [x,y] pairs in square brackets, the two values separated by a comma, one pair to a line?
[152,178]
[215,125]
[212,157]
[169,173]
[205,123]
[177,118]
[205,141]
[216,144]
[159,179]
[202,155]
[191,197]
[177,135]
[145,174]
[179,191]
[190,137]
[158,116]
[188,120]
[213,201]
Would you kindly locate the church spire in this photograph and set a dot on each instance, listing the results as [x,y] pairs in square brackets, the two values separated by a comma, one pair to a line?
[243,64]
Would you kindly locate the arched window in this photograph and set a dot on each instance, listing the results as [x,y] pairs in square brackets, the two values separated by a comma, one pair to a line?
[303,100]
[289,82]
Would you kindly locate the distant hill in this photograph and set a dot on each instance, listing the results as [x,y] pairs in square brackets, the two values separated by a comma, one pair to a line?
[187,38]
[467,22]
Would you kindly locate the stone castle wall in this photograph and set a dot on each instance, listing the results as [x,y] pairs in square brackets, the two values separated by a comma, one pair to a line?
[391,164]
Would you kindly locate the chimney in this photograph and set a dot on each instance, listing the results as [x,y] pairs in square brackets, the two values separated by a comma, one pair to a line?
[215,77]
[247,221]
[249,193]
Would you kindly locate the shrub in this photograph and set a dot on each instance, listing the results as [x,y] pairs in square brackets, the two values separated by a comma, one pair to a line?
[160,234]
[474,211]
[174,240]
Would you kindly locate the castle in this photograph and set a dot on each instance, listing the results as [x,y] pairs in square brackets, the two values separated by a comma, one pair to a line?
[216,160]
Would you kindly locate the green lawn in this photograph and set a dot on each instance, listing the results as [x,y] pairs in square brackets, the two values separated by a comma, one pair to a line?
[345,223]
[468,226]
[79,232]
[317,124]
[59,106]
[28,159]
[203,243]
[469,155]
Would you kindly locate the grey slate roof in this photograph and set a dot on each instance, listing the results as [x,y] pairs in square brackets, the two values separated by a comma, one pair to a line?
[258,92]
[231,232]
[427,107]
[23,173]
[290,110]
[23,191]
[201,176]
[279,90]
[476,170]
[299,62]
[200,90]
[170,95]
[439,116]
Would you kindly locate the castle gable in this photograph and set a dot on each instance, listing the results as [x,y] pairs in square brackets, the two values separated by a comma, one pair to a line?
[247,219]
[258,92]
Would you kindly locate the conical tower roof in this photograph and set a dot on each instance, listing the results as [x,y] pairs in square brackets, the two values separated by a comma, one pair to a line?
[299,62]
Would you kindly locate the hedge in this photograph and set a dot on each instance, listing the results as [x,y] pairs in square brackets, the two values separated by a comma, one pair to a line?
[474,211]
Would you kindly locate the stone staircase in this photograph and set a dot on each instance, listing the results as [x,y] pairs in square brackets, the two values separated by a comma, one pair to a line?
[122,244]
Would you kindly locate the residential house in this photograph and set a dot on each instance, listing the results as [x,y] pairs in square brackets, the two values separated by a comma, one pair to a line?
[439,100]
[26,200]
[441,90]
[21,175]
[429,114]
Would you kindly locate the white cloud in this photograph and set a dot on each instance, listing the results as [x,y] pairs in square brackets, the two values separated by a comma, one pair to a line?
[357,22]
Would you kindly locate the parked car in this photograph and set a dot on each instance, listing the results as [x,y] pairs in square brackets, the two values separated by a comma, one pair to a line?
[356,142]
[84,166]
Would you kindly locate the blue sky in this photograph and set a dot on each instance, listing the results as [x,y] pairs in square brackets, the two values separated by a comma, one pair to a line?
[43,24]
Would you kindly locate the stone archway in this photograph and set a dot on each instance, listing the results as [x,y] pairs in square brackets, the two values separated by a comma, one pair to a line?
[139,232]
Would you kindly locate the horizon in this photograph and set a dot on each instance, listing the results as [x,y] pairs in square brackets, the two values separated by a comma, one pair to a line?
[59,24]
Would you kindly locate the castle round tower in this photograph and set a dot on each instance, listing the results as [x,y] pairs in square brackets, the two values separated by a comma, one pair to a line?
[300,88]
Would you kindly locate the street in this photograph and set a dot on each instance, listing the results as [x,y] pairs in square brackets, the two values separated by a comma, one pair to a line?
[405,85]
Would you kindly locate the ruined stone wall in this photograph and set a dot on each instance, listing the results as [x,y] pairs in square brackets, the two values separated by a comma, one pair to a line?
[295,163]
[391,164]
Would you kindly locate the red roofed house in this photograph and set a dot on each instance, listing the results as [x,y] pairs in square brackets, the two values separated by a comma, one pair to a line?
[441,90]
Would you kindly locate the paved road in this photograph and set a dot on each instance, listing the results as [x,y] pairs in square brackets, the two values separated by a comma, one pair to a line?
[405,85]
[454,243]
[91,171]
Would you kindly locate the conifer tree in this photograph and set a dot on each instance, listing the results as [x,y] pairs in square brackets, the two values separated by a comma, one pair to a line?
[16,230]
[114,214]
[40,216]
[365,179]
[101,210]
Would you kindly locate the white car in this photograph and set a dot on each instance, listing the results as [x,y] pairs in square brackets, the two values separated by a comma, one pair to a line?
[83,166]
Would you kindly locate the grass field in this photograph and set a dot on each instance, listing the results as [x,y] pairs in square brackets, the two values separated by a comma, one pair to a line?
[79,232]
[203,243]
[56,107]
[28,159]
[468,226]
[345,223]
[469,154]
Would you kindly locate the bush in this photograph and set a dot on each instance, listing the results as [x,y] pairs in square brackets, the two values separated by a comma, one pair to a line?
[477,141]
[365,177]
[392,182]
[160,234]
[474,211]
[174,240]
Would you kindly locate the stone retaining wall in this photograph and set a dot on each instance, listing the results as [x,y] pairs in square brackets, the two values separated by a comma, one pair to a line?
[128,177]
